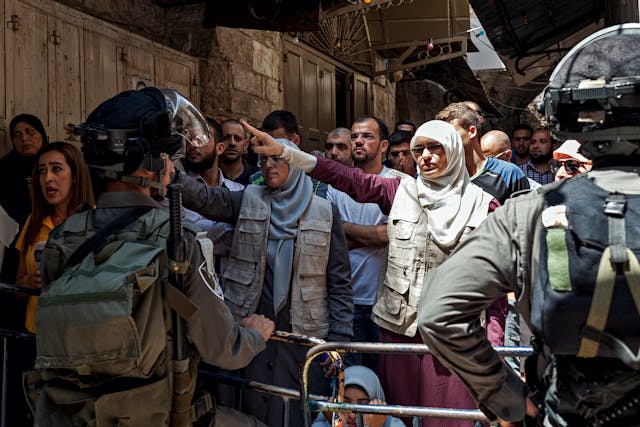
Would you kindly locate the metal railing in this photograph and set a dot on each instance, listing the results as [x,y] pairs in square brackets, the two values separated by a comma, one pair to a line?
[309,405]
[309,402]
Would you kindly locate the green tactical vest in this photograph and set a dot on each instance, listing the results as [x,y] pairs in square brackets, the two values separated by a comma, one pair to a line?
[104,329]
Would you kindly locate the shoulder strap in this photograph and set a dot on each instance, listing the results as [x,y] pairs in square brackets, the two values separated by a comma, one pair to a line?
[95,240]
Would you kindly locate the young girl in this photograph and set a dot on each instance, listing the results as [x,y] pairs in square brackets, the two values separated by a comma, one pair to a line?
[361,385]
[60,183]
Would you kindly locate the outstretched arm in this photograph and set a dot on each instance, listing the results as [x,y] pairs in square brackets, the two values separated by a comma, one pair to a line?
[362,187]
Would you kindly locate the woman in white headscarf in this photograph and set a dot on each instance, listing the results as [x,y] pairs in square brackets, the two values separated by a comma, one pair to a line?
[428,217]
[288,262]
[361,385]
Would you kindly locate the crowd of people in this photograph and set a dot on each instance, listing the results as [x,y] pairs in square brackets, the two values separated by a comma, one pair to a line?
[377,239]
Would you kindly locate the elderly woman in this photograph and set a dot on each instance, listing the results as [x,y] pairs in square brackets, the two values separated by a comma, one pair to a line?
[428,217]
[289,262]
[28,136]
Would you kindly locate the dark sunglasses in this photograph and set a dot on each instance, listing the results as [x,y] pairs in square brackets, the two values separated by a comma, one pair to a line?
[571,166]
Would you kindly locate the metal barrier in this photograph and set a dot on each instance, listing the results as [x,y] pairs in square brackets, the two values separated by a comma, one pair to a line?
[309,402]
[402,411]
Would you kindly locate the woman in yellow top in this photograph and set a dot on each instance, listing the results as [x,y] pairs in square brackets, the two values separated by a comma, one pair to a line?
[60,182]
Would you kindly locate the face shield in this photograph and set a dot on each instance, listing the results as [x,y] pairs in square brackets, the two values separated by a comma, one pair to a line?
[186,119]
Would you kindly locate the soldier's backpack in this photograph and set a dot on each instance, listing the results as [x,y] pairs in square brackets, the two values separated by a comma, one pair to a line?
[586,299]
[104,329]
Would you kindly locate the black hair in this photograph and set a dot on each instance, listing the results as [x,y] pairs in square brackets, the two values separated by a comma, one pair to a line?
[522,126]
[405,122]
[400,137]
[358,387]
[216,129]
[383,131]
[281,119]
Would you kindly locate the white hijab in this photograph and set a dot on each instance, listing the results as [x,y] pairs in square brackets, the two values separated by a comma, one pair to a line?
[450,201]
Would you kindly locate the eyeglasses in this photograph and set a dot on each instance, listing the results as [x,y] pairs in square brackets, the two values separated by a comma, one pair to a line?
[275,160]
[365,135]
[571,166]
[405,153]
[501,155]
[419,150]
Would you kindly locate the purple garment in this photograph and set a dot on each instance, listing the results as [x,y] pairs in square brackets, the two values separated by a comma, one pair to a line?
[421,380]
[410,380]
[362,187]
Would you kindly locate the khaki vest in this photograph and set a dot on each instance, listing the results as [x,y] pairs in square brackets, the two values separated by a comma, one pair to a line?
[244,277]
[411,255]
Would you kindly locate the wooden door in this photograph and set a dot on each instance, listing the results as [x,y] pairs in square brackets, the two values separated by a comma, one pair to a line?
[101,68]
[136,67]
[310,95]
[176,75]
[30,63]
[361,95]
[68,85]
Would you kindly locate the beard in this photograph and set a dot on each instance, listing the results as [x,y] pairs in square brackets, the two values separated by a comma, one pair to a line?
[198,167]
[541,158]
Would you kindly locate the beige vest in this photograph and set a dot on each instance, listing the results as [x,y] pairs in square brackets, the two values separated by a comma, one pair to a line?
[411,255]
[244,277]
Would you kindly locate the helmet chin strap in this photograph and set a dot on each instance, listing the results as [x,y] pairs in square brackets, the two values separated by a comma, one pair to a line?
[158,190]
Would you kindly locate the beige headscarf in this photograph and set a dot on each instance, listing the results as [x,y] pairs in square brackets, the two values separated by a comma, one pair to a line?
[451,201]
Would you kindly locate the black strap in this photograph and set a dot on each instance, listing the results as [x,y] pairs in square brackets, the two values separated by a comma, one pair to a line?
[100,236]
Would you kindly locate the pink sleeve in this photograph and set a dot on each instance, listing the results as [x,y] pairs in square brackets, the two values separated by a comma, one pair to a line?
[496,316]
[362,187]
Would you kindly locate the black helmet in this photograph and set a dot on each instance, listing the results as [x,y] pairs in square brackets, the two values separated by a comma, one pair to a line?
[594,93]
[135,128]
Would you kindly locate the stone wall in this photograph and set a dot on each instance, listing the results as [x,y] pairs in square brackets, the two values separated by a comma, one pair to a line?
[242,76]
[420,100]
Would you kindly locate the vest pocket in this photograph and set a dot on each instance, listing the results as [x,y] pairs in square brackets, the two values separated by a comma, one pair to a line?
[238,278]
[143,406]
[391,307]
[313,290]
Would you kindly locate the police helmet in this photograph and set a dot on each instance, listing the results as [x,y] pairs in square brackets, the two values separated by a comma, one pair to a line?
[594,93]
[136,129]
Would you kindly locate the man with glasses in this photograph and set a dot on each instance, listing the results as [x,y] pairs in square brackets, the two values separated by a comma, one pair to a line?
[366,229]
[399,153]
[338,146]
[567,161]
[520,139]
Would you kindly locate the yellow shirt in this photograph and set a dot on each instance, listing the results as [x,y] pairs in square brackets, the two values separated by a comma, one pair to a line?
[32,257]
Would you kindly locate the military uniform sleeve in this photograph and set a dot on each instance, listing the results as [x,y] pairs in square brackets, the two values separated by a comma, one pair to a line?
[212,329]
[482,269]
[215,203]
[339,292]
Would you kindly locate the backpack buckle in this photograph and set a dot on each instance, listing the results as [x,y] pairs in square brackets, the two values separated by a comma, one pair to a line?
[615,205]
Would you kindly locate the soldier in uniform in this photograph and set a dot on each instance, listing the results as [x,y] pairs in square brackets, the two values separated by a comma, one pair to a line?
[82,348]
[569,251]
